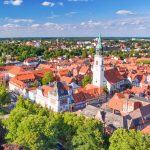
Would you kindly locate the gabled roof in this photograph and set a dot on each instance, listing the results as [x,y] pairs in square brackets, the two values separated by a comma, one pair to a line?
[46,89]
[84,69]
[31,89]
[17,83]
[90,111]
[26,77]
[79,97]
[87,93]
[58,88]
[16,70]
[137,90]
[113,76]
[140,112]
[146,129]
[64,72]
[68,80]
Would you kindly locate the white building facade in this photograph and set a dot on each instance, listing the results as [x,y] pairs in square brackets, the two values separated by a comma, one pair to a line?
[98,68]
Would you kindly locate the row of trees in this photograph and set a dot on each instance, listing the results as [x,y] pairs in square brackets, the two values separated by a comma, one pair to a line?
[21,52]
[123,54]
[144,62]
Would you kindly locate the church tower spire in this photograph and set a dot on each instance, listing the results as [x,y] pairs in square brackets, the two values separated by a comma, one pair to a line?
[98,68]
[99,47]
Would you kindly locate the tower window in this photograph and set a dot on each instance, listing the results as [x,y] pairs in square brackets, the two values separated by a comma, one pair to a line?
[96,62]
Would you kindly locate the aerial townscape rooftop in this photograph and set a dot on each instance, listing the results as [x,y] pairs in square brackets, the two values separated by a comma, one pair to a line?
[64,86]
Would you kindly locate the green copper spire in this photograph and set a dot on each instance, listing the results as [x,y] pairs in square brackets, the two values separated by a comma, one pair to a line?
[99,47]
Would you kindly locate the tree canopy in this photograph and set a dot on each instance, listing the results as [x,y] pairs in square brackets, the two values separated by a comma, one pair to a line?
[129,140]
[48,77]
[34,127]
[4,96]
[86,80]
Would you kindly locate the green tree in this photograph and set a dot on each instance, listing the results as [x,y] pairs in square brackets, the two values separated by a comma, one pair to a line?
[13,122]
[71,124]
[86,80]
[48,77]
[35,127]
[92,51]
[4,96]
[129,140]
[105,89]
[35,133]
[84,54]
[89,136]
[2,64]
[3,58]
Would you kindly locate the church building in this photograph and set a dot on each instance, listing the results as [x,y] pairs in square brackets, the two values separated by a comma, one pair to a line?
[98,68]
[101,77]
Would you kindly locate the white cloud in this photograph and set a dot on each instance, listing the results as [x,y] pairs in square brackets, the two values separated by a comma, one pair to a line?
[126,26]
[19,20]
[53,16]
[124,12]
[60,3]
[78,0]
[13,2]
[10,25]
[50,4]
[52,26]
[35,25]
[91,23]
[71,13]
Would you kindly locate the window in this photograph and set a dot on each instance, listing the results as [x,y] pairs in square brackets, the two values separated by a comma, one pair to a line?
[96,62]
[136,121]
[63,101]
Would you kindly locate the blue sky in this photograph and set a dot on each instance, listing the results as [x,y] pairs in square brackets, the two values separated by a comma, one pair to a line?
[49,18]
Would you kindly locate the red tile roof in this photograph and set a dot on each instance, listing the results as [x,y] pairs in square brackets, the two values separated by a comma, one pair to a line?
[137,90]
[26,77]
[17,83]
[146,130]
[16,70]
[87,93]
[31,89]
[68,80]
[79,97]
[84,70]
[113,76]
[64,72]
[46,89]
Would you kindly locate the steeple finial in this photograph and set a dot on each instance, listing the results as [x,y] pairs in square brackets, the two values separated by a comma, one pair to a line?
[99,47]
[99,39]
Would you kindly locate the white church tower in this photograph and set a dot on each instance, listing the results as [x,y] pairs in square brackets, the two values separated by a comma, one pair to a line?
[98,68]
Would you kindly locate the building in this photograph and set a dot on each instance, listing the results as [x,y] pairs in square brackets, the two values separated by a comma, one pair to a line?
[98,68]
[56,97]
[110,77]
[31,61]
[114,80]
[125,103]
[139,118]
